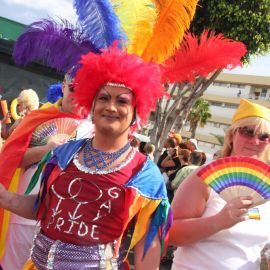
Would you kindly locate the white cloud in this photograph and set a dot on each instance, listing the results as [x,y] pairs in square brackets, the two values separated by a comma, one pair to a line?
[43,8]
[257,66]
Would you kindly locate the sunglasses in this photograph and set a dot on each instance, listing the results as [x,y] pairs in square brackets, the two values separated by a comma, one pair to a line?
[249,133]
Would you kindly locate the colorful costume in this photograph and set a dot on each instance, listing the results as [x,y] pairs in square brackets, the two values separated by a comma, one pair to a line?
[118,198]
[13,177]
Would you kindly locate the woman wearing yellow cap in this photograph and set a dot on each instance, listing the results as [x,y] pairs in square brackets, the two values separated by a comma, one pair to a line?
[214,234]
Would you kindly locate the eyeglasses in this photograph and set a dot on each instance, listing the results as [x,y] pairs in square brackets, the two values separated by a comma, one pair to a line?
[249,133]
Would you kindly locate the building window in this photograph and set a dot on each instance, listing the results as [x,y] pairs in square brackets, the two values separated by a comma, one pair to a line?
[231,106]
[264,92]
[256,94]
[220,84]
[237,85]
[213,103]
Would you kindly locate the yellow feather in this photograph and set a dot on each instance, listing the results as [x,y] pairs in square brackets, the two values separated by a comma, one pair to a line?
[158,44]
[131,13]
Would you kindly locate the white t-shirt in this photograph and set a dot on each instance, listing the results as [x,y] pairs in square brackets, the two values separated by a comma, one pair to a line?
[237,248]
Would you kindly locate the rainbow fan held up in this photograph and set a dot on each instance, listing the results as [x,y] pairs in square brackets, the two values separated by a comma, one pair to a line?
[60,129]
[232,177]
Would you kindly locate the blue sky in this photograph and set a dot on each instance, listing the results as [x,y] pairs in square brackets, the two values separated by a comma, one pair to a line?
[27,11]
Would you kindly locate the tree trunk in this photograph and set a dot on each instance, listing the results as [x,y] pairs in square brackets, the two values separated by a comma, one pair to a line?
[177,113]
[193,128]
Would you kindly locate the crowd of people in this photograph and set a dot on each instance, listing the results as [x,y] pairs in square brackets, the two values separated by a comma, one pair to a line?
[58,220]
[206,231]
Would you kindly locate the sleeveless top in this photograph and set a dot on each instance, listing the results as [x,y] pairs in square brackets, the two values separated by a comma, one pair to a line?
[85,208]
[236,248]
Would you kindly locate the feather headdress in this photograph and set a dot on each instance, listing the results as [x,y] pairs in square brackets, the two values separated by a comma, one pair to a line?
[133,14]
[160,42]
[200,56]
[56,44]
[120,68]
[99,22]
[60,45]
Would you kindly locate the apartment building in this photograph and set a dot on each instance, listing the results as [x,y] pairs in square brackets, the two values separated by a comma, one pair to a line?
[224,96]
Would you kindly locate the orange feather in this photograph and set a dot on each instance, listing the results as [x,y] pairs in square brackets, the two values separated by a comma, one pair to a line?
[157,40]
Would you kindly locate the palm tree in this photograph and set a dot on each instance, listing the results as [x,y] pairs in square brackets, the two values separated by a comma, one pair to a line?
[199,114]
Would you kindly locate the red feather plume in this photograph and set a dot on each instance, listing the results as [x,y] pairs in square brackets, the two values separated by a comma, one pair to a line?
[199,57]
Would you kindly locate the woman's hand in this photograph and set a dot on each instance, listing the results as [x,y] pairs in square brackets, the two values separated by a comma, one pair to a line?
[234,212]
[34,154]
[171,152]
[54,142]
[189,224]
[6,117]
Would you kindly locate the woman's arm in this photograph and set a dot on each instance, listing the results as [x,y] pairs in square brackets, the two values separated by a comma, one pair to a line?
[34,154]
[188,207]
[151,259]
[18,204]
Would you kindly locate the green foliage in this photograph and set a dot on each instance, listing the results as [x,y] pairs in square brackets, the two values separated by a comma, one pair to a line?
[241,20]
[199,114]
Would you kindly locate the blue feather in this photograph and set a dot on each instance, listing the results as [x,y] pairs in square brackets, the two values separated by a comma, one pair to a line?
[54,92]
[57,45]
[99,22]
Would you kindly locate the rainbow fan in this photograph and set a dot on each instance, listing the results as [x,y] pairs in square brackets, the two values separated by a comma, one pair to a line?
[232,177]
[59,128]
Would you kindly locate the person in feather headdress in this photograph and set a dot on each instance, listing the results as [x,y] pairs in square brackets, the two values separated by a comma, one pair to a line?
[95,191]
[214,234]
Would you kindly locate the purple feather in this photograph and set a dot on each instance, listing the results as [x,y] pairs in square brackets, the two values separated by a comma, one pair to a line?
[57,45]
[99,22]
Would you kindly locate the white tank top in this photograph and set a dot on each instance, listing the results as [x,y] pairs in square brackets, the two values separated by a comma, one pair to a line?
[236,248]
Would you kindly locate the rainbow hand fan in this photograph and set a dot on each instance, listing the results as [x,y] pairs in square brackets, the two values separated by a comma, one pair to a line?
[232,177]
[59,129]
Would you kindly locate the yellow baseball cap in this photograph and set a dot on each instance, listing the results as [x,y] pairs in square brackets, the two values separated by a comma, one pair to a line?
[249,109]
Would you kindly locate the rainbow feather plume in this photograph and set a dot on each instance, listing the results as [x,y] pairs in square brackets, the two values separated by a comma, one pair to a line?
[46,40]
[232,177]
[201,56]
[99,22]
[160,42]
[132,13]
